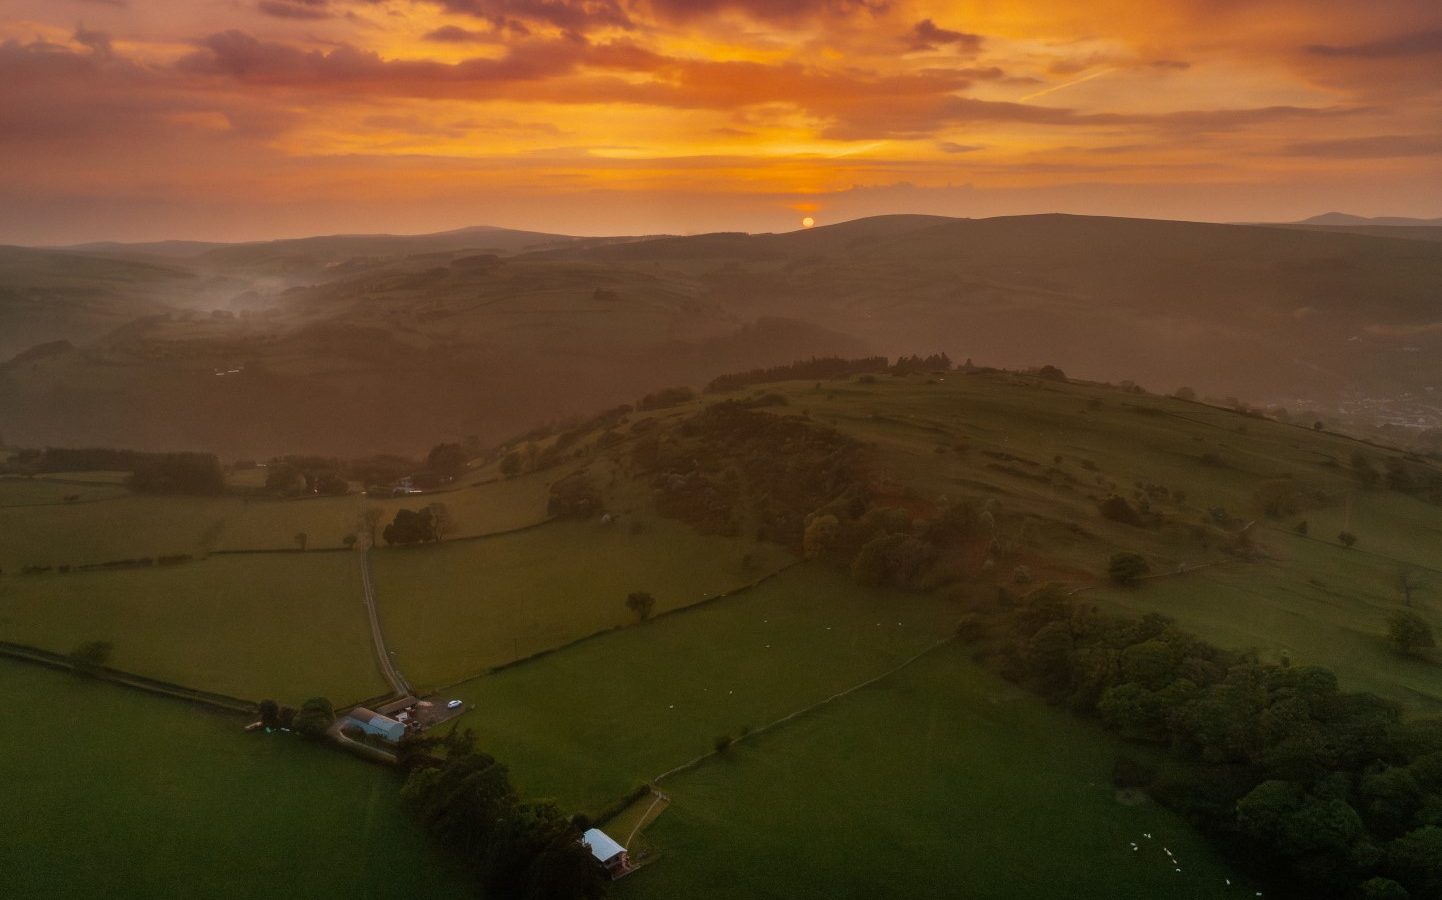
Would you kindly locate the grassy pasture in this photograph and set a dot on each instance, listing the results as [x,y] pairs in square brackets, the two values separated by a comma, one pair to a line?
[39,492]
[288,626]
[124,795]
[591,722]
[940,781]
[1322,604]
[126,526]
[457,608]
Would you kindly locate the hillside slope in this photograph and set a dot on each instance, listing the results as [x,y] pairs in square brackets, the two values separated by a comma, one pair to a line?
[366,342]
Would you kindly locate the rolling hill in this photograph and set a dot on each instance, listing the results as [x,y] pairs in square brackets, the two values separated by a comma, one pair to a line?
[352,343]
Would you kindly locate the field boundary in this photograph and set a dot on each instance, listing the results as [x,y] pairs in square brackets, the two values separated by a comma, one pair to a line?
[222,702]
[541,654]
[840,695]
[236,551]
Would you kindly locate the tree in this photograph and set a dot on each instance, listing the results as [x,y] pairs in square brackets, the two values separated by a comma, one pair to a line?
[269,712]
[820,535]
[441,522]
[371,519]
[1185,393]
[411,527]
[448,459]
[1382,889]
[1126,568]
[640,604]
[1364,470]
[90,657]
[349,540]
[1409,633]
[315,717]
[1347,538]
[301,539]
[1408,581]
[511,464]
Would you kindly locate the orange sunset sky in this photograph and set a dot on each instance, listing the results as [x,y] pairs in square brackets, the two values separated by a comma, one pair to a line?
[240,119]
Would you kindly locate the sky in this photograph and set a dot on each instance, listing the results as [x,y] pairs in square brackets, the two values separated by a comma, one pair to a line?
[250,119]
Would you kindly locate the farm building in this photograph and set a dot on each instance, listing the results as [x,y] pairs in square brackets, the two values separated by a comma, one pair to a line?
[375,723]
[607,852]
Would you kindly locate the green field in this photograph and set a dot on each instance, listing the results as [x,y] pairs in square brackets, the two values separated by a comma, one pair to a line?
[125,526]
[593,721]
[1321,604]
[40,492]
[458,608]
[288,626]
[941,781]
[120,794]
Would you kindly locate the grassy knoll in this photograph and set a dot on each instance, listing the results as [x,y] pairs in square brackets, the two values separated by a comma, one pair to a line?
[590,723]
[941,781]
[125,795]
[288,626]
[1048,453]
[458,608]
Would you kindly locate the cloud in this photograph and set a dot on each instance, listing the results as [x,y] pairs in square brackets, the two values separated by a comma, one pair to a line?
[950,147]
[455,34]
[242,56]
[296,9]
[97,41]
[575,16]
[1387,146]
[927,35]
[782,11]
[1419,43]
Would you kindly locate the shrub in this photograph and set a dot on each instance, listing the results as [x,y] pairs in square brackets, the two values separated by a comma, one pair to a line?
[1126,568]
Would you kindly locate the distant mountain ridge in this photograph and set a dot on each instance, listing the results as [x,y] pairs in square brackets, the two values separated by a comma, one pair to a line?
[1344,219]
[350,343]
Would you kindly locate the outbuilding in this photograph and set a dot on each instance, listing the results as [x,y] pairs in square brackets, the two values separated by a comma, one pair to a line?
[611,855]
[375,723]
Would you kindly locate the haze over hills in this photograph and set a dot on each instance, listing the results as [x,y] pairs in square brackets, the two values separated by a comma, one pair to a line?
[1338,218]
[353,343]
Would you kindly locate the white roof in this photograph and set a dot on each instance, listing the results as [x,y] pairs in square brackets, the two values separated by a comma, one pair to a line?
[602,847]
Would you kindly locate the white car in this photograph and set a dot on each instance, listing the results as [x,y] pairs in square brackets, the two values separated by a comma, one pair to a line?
[453,704]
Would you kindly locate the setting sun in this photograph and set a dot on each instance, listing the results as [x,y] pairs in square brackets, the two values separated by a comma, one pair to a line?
[808,222]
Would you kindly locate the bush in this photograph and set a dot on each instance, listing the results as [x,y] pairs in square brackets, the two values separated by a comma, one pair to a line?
[1409,633]
[1126,568]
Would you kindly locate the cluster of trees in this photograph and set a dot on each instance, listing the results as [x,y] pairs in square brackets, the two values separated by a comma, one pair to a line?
[815,368]
[177,473]
[513,848]
[575,496]
[152,473]
[291,476]
[1275,761]
[1405,476]
[419,526]
[830,367]
[666,398]
[312,720]
[727,466]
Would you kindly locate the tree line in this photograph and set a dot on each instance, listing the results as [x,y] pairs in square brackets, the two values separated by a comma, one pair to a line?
[1275,762]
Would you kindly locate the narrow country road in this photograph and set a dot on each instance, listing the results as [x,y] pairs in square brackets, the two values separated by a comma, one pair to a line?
[393,676]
